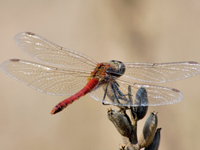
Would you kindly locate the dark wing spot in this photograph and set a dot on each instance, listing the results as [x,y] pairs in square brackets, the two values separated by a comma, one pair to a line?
[14,60]
[175,90]
[192,62]
[30,33]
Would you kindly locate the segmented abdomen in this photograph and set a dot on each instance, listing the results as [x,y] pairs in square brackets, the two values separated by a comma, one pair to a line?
[86,89]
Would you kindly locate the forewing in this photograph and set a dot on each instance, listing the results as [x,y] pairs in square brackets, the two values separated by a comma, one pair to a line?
[43,50]
[50,80]
[156,95]
[161,72]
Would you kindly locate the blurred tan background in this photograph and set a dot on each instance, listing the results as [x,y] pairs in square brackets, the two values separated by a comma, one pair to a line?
[126,30]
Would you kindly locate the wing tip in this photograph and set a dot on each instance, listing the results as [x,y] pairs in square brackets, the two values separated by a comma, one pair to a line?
[3,65]
[21,34]
[7,61]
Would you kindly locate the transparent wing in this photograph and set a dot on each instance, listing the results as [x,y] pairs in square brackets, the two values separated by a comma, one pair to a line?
[43,50]
[161,72]
[50,80]
[124,94]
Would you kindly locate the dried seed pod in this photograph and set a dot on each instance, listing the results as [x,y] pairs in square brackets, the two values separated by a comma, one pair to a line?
[156,141]
[121,122]
[141,101]
[149,130]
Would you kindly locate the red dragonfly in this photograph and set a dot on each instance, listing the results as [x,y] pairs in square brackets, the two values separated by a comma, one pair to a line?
[67,72]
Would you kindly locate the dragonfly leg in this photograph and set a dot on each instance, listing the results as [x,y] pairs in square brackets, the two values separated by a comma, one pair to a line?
[113,87]
[105,95]
[121,95]
[118,90]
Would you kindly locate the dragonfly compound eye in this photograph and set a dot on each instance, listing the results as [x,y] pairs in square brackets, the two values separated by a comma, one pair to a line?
[119,68]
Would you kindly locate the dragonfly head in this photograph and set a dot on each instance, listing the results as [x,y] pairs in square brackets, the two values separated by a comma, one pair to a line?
[117,68]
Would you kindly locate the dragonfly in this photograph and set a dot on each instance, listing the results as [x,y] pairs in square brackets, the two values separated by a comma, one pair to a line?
[62,71]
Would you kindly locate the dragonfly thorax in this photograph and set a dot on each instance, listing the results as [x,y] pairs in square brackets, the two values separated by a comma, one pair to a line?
[108,71]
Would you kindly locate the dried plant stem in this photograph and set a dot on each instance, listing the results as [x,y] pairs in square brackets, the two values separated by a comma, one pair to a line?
[127,126]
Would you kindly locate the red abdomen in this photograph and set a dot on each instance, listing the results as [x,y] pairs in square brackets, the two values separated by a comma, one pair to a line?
[86,89]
